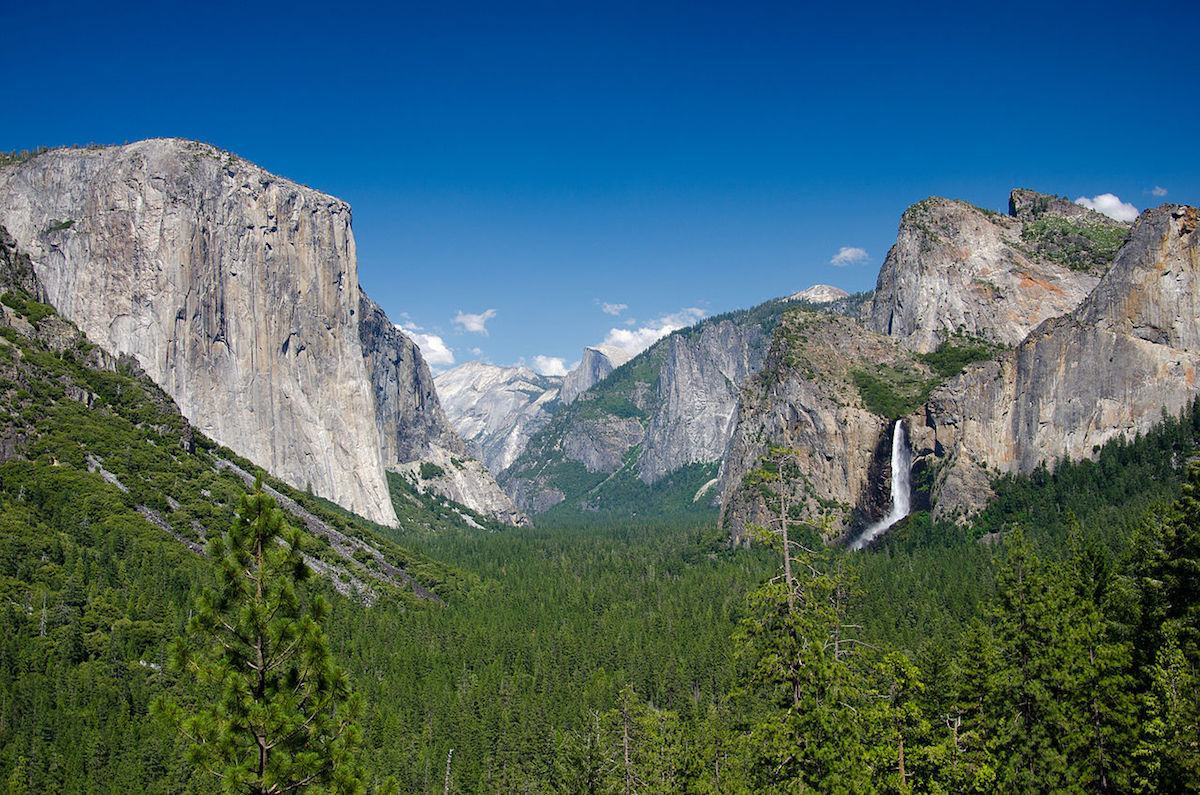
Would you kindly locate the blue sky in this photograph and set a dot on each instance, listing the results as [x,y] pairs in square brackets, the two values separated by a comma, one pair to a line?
[517,166]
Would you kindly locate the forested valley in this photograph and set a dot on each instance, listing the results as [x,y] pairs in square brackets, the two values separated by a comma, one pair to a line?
[1050,645]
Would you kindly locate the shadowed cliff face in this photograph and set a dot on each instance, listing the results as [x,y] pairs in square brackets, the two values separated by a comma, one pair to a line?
[408,414]
[1109,369]
[237,292]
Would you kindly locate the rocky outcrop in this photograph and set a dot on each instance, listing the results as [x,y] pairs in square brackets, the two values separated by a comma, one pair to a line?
[1109,369]
[597,362]
[496,409]
[958,270]
[236,291]
[1028,206]
[464,480]
[805,398]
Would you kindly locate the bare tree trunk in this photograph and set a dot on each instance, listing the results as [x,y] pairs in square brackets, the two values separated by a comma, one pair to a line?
[787,552]
[625,746]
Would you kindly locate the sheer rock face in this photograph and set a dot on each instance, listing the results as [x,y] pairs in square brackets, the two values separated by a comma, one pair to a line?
[677,407]
[805,398]
[497,409]
[1109,369]
[412,426]
[408,415]
[597,362]
[698,389]
[236,291]
[956,269]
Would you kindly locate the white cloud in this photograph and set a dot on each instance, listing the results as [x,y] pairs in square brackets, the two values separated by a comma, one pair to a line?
[1159,191]
[549,365]
[475,323]
[634,341]
[1109,205]
[849,255]
[477,351]
[612,309]
[433,347]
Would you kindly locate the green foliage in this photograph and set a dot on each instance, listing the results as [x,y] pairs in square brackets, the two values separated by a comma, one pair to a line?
[58,226]
[956,353]
[279,715]
[581,607]
[24,155]
[430,470]
[892,392]
[26,307]
[623,494]
[104,485]
[1085,244]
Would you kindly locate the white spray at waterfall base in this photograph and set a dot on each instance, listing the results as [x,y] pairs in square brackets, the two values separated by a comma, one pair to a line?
[901,497]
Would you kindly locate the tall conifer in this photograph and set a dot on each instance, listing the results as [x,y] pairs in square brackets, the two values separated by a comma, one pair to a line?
[281,716]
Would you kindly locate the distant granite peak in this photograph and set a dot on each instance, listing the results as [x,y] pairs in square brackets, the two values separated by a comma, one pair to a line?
[497,409]
[819,294]
[596,363]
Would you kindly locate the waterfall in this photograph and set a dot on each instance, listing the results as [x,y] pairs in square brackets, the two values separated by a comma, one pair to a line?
[901,466]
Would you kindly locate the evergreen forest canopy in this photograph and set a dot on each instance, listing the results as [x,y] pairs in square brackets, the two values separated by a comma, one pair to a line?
[1053,645]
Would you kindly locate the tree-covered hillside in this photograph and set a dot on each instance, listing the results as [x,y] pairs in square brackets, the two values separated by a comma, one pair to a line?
[107,497]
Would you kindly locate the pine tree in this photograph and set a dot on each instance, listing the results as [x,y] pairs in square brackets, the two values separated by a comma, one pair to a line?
[1033,725]
[1171,731]
[793,650]
[282,717]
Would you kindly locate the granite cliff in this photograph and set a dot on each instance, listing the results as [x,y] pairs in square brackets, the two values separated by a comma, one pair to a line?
[1080,329]
[594,366]
[1110,368]
[236,291]
[957,269]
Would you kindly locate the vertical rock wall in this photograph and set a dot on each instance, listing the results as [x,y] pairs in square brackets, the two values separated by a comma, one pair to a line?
[237,291]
